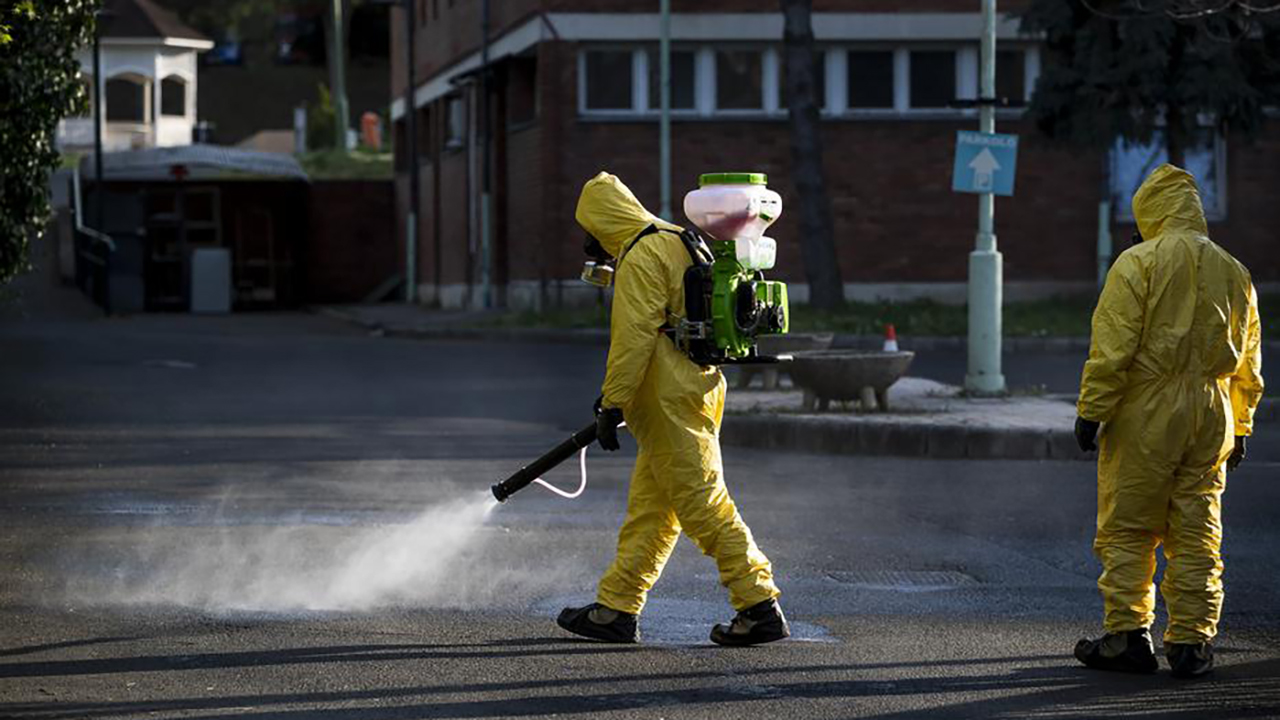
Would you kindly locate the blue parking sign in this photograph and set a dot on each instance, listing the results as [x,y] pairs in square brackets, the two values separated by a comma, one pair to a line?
[985,163]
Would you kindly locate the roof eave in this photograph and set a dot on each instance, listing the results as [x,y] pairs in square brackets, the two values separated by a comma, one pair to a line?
[190,43]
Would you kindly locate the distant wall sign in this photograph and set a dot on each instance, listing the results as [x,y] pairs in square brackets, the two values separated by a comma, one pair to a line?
[985,163]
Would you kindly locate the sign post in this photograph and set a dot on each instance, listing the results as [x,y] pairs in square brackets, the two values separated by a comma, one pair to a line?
[984,376]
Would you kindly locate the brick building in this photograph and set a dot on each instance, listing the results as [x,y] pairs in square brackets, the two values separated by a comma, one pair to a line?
[573,91]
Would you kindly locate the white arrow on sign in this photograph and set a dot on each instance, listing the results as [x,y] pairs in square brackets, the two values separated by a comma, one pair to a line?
[983,166]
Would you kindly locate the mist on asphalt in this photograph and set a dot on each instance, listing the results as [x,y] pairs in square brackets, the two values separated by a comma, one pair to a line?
[444,557]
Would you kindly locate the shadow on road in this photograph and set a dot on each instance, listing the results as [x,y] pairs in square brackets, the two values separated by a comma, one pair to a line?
[1065,691]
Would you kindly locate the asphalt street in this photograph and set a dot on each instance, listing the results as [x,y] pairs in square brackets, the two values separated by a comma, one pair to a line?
[277,516]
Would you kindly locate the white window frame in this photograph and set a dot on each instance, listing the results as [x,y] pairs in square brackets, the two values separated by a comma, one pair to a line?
[639,90]
[837,60]
[836,65]
[838,81]
[905,78]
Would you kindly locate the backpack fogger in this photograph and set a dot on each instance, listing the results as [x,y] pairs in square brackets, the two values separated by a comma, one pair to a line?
[729,304]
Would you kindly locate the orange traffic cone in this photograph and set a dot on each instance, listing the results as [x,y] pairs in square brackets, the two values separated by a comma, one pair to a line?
[890,338]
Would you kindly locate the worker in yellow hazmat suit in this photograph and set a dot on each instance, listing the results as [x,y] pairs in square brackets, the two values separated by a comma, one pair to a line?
[673,408]
[1173,378]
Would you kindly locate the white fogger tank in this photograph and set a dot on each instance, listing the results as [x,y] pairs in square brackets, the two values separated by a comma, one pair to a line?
[737,207]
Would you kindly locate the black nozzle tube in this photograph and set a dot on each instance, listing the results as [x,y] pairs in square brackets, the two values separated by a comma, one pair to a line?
[537,468]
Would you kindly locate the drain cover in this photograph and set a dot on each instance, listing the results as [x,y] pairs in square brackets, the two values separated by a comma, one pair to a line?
[904,580]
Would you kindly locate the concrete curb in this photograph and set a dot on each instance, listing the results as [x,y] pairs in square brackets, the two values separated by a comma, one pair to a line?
[599,337]
[918,440]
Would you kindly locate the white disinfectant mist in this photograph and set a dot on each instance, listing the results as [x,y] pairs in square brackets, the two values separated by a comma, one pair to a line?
[440,558]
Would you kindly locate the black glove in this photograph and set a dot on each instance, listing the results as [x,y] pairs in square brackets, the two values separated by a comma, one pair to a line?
[607,422]
[1237,455]
[1086,434]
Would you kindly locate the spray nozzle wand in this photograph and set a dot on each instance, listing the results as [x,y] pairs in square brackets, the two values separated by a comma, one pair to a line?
[531,473]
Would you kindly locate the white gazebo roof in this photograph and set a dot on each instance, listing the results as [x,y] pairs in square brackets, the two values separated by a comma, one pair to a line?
[202,162]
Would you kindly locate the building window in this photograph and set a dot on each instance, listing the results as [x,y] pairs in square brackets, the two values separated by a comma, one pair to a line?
[173,96]
[456,118]
[739,80]
[1011,76]
[933,78]
[127,100]
[682,79]
[1206,160]
[608,80]
[870,79]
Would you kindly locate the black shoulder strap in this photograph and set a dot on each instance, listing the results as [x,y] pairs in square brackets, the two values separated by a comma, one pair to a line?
[697,247]
[694,244]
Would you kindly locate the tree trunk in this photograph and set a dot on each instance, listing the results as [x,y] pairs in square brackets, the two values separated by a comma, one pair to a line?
[817,241]
[1175,141]
[1175,120]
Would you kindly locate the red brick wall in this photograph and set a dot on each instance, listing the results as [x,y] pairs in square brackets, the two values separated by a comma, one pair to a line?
[351,246]
[454,217]
[442,41]
[1251,231]
[889,181]
[525,204]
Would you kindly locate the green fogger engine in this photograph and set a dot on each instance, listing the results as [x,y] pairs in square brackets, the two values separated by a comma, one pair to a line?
[728,303]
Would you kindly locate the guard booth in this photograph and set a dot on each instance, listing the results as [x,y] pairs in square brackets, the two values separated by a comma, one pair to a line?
[198,228]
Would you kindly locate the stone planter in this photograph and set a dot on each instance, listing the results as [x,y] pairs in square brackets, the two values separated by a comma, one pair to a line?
[780,345]
[845,375]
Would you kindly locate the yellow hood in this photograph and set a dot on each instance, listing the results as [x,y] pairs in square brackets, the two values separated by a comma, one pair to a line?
[1168,201]
[611,213]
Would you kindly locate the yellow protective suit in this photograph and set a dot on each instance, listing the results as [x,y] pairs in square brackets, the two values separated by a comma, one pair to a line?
[673,408]
[1174,373]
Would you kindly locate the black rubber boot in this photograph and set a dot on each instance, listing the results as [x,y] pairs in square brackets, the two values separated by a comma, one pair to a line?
[1120,652]
[1189,661]
[598,622]
[761,623]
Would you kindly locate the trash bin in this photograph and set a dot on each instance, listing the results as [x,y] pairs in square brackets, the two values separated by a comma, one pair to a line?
[211,281]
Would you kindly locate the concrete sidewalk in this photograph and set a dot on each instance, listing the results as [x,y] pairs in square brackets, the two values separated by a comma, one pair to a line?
[929,419]
[926,419]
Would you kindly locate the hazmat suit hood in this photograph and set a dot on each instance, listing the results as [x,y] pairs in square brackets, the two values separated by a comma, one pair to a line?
[1168,201]
[611,213]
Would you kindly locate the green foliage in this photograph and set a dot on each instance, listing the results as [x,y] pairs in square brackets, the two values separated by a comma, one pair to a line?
[1042,318]
[39,85]
[1104,78]
[361,164]
[321,118]
[1059,317]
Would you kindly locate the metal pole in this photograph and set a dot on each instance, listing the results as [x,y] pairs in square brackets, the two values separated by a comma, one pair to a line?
[411,148]
[985,272]
[1104,223]
[486,247]
[664,122]
[338,64]
[98,190]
